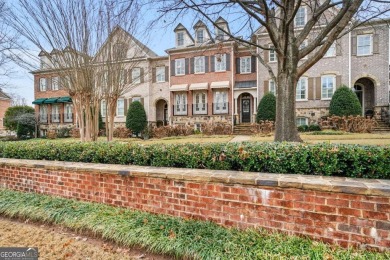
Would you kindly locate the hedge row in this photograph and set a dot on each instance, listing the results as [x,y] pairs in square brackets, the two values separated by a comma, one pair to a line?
[318,159]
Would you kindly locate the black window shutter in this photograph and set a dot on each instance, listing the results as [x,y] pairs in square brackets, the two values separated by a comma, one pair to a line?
[166,73]
[125,106]
[375,40]
[192,65]
[187,61]
[228,62]
[212,63]
[206,64]
[253,65]
[354,45]
[173,68]
[153,75]
[238,65]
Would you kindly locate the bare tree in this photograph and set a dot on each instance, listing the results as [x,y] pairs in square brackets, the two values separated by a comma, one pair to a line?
[327,21]
[68,34]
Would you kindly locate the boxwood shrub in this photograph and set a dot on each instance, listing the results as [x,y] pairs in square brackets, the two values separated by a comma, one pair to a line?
[318,159]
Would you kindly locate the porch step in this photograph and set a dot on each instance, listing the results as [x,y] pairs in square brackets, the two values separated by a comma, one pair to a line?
[381,127]
[242,129]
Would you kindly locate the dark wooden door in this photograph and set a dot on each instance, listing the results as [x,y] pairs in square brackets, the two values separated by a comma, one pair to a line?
[246,110]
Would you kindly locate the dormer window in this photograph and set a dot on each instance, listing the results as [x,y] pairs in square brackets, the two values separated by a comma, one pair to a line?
[180,38]
[200,36]
[220,34]
[300,17]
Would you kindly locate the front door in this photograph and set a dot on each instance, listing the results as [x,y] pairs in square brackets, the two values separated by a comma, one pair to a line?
[246,110]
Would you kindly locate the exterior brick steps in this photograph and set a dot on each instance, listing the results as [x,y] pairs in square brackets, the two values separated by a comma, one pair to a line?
[242,129]
[381,127]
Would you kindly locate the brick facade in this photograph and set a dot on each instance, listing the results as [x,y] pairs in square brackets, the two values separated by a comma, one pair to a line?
[5,103]
[347,212]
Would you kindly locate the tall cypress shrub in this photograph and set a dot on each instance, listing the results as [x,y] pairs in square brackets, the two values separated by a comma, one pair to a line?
[345,103]
[136,118]
[267,108]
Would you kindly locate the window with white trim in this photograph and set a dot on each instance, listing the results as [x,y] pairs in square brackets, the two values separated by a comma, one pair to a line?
[199,63]
[133,99]
[364,44]
[331,52]
[200,103]
[180,38]
[300,17]
[200,36]
[180,104]
[55,113]
[245,64]
[160,74]
[120,107]
[136,75]
[301,91]
[42,84]
[328,83]
[220,105]
[103,108]
[272,54]
[68,115]
[54,83]
[43,113]
[272,87]
[220,62]
[220,35]
[180,67]
[301,121]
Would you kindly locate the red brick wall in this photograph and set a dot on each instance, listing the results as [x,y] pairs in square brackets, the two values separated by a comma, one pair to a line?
[4,105]
[339,218]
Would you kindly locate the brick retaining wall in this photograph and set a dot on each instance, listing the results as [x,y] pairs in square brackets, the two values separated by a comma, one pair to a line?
[348,212]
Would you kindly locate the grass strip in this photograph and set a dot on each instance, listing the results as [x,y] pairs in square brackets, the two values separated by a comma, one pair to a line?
[162,234]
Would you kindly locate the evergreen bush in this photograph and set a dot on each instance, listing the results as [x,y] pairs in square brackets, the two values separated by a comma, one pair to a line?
[345,103]
[136,118]
[267,108]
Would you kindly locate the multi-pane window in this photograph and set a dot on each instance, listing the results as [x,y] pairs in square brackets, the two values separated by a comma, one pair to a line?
[220,34]
[272,87]
[301,121]
[220,62]
[364,44]
[181,104]
[43,113]
[68,113]
[327,86]
[180,66]
[42,84]
[160,74]
[200,36]
[136,99]
[120,107]
[245,64]
[103,108]
[301,91]
[200,103]
[220,102]
[199,63]
[136,75]
[331,51]
[180,38]
[272,54]
[300,17]
[54,83]
[55,113]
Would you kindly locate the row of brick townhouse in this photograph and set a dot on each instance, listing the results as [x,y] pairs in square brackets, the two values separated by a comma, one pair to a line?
[208,77]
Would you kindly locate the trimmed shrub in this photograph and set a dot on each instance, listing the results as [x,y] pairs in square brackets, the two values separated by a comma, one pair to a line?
[136,118]
[303,128]
[17,114]
[267,108]
[314,128]
[319,159]
[345,103]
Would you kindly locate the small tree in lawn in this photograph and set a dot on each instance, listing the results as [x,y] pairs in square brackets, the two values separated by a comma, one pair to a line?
[267,108]
[136,118]
[20,119]
[345,103]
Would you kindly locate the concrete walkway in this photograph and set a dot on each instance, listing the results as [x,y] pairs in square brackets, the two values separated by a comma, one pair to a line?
[240,138]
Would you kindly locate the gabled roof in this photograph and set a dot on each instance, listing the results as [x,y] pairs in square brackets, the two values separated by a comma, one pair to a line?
[201,24]
[43,53]
[220,21]
[181,27]
[3,95]
[149,53]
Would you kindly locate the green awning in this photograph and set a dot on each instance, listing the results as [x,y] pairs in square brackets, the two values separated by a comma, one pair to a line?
[39,101]
[64,100]
[50,101]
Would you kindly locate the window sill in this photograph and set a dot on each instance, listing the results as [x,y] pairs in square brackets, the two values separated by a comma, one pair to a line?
[219,71]
[197,73]
[274,61]
[334,56]
[364,55]
[326,99]
[299,100]
[243,73]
